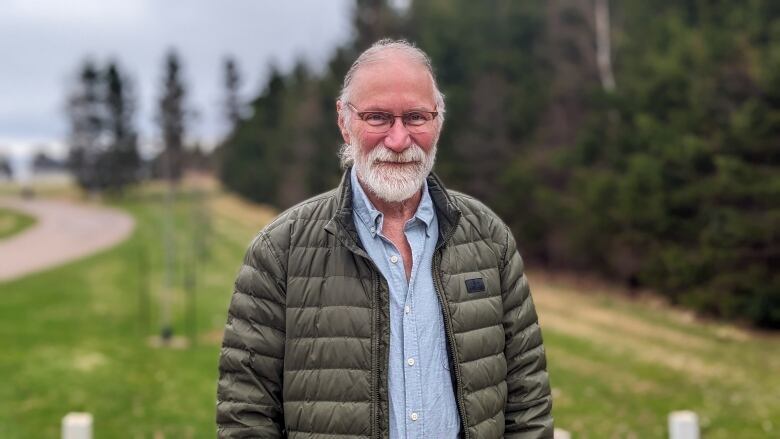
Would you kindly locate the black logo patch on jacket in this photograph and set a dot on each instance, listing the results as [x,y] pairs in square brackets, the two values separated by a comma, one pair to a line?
[475,285]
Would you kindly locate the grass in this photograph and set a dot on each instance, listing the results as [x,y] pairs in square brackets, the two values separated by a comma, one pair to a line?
[13,222]
[77,338]
[618,367]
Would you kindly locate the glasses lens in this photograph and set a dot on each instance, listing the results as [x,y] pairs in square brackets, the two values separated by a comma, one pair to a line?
[380,122]
[416,118]
[416,129]
[378,119]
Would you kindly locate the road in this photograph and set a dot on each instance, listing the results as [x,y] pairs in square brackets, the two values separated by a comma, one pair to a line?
[64,231]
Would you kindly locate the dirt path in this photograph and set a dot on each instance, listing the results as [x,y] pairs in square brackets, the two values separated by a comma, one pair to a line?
[64,231]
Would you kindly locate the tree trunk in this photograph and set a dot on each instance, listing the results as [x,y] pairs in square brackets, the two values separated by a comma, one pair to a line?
[603,50]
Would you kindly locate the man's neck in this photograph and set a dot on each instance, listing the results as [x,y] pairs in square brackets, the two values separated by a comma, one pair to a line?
[394,211]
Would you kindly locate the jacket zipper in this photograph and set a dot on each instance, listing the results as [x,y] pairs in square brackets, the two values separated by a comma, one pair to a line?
[375,369]
[436,268]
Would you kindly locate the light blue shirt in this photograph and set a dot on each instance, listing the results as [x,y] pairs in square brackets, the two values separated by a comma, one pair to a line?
[421,398]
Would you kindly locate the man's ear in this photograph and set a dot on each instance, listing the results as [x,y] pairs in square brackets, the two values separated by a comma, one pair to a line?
[342,124]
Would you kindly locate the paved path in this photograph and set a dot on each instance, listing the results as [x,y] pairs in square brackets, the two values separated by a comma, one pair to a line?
[64,231]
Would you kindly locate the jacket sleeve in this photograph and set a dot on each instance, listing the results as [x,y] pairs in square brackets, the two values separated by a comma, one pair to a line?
[528,413]
[249,391]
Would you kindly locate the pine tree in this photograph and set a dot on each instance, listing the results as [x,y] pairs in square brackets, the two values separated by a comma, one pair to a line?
[171,118]
[122,160]
[84,110]
[5,167]
[232,82]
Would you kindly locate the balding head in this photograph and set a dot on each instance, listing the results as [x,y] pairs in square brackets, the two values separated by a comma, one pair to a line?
[391,51]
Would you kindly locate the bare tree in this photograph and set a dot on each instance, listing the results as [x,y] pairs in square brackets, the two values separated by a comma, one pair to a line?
[603,47]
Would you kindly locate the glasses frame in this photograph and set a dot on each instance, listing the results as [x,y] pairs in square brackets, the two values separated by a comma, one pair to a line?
[409,127]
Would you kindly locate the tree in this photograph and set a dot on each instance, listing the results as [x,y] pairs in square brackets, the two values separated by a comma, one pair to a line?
[636,140]
[232,80]
[250,157]
[171,117]
[42,162]
[85,115]
[122,161]
[103,143]
[5,167]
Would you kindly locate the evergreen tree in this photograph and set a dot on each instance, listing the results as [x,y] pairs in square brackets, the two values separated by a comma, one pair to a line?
[171,118]
[103,143]
[659,169]
[232,82]
[85,114]
[121,161]
[5,167]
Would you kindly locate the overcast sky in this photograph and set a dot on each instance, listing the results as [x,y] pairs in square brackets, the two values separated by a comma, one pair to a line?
[43,42]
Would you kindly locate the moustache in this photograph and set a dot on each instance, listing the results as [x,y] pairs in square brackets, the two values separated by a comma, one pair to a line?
[383,155]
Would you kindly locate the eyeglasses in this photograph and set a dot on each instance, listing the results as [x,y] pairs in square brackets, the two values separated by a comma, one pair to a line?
[381,121]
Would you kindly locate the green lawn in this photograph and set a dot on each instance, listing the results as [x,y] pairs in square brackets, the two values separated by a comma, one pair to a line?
[80,338]
[12,222]
[77,338]
[618,367]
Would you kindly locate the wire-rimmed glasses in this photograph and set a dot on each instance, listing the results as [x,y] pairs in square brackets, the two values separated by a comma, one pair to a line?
[379,122]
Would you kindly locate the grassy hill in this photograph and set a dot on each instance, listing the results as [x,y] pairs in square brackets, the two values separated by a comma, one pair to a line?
[83,338]
[619,366]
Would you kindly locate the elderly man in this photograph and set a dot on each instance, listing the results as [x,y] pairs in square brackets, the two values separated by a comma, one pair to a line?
[389,306]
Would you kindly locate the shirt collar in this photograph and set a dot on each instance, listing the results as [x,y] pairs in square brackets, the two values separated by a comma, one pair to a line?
[372,218]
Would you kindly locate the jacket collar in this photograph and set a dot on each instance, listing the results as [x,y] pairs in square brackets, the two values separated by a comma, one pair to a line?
[342,225]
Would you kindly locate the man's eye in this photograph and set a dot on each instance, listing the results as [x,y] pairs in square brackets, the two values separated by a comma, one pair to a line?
[375,117]
[415,117]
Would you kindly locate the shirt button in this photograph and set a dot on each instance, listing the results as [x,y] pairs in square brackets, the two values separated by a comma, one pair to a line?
[407,309]
[414,416]
[394,259]
[373,229]
[410,361]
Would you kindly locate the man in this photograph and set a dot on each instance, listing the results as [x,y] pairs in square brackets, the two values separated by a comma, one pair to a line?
[389,306]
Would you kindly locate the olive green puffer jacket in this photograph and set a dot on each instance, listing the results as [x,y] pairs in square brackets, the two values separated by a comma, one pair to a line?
[305,349]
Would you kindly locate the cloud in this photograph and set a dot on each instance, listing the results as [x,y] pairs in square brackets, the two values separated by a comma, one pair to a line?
[74,13]
[42,44]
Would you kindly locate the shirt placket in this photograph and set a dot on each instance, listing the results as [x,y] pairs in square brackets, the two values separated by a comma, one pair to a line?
[411,352]
[416,414]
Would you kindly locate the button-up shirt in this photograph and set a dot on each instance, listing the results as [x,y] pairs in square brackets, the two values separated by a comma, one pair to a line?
[421,398]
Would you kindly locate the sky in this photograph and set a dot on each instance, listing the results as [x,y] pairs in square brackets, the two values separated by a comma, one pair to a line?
[44,42]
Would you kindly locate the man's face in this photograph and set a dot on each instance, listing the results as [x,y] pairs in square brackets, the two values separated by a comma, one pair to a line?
[392,164]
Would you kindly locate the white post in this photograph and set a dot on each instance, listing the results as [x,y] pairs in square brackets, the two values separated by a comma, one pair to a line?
[683,425]
[561,434]
[77,426]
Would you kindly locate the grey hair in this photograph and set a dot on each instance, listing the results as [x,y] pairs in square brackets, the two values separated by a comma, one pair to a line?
[346,155]
[376,53]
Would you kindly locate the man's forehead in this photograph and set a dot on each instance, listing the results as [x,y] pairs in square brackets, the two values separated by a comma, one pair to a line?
[393,76]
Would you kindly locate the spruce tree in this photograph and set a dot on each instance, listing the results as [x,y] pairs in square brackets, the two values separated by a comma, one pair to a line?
[232,83]
[171,118]
[85,115]
[122,160]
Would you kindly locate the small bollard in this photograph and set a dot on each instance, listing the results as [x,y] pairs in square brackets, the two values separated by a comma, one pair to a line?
[77,426]
[683,425]
[561,434]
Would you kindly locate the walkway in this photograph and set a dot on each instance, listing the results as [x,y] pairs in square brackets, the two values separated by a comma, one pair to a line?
[64,231]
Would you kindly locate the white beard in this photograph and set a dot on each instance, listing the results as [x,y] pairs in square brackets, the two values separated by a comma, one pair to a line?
[391,176]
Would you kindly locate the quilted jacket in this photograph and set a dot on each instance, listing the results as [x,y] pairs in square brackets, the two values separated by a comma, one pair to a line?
[305,347]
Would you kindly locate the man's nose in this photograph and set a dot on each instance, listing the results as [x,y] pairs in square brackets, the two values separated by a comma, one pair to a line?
[397,138]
